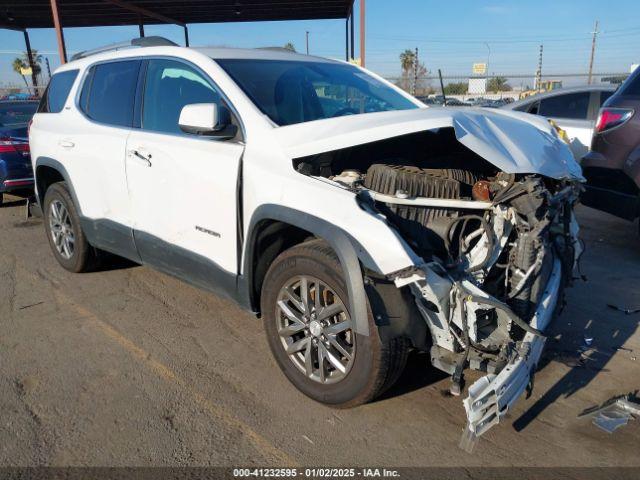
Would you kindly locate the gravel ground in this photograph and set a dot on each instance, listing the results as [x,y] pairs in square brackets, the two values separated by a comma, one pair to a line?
[129,367]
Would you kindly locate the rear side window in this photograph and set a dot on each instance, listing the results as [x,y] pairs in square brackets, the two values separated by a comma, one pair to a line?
[572,105]
[631,86]
[108,93]
[57,92]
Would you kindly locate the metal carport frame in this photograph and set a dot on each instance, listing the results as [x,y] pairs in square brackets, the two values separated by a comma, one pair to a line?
[21,15]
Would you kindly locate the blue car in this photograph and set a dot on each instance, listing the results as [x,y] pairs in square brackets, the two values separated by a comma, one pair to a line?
[16,174]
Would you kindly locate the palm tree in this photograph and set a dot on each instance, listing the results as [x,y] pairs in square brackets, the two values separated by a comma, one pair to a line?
[22,63]
[407,58]
[19,66]
[290,46]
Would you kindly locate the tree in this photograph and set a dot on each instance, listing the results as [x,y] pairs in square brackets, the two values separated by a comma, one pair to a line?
[407,65]
[290,46]
[406,60]
[21,63]
[498,84]
[458,88]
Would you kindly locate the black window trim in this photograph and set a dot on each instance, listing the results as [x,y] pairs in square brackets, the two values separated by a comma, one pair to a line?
[87,75]
[137,112]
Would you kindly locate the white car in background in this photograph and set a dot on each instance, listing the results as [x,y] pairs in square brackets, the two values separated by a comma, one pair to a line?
[356,222]
[573,109]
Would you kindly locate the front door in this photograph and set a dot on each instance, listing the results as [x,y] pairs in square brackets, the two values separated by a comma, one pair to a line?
[183,187]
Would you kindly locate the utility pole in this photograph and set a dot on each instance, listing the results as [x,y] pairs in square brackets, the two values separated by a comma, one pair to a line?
[307,42]
[539,72]
[593,52]
[416,63]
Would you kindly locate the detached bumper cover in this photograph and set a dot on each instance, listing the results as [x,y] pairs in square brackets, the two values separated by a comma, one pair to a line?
[491,397]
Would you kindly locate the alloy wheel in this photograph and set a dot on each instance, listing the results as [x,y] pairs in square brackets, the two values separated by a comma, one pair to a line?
[315,329]
[61,229]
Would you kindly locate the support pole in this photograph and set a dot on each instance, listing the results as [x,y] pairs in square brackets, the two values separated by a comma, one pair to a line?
[141,27]
[353,36]
[186,36]
[34,76]
[362,33]
[346,39]
[62,49]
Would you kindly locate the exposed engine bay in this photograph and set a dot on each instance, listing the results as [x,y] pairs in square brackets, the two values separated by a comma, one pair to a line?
[498,249]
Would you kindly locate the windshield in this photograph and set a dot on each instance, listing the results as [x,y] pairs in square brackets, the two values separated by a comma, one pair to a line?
[16,115]
[290,92]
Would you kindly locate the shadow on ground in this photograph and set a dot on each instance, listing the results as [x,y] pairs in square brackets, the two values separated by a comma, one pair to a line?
[588,332]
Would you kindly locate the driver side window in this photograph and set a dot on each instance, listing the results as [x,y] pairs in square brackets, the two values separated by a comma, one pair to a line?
[169,86]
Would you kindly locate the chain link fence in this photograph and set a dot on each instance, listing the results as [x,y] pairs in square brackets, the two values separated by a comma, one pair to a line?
[508,87]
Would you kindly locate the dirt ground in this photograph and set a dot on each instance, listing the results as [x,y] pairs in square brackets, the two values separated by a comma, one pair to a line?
[129,367]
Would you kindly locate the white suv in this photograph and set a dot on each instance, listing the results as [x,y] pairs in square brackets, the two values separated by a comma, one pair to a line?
[356,222]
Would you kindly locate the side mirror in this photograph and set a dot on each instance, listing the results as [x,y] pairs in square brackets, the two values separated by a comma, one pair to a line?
[207,119]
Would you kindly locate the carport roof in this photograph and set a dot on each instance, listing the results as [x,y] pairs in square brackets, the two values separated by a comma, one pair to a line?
[21,14]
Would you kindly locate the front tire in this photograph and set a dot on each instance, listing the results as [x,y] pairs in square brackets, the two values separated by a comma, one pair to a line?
[62,225]
[311,334]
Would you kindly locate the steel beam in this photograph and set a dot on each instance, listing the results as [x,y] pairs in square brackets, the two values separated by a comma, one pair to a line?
[353,36]
[145,12]
[62,49]
[34,77]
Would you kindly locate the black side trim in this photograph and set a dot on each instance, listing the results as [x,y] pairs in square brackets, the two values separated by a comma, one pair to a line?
[195,269]
[347,249]
[112,237]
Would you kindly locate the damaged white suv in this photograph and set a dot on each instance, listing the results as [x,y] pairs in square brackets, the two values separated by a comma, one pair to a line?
[359,224]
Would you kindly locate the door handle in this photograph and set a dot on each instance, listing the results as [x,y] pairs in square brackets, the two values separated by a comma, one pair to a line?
[66,143]
[146,159]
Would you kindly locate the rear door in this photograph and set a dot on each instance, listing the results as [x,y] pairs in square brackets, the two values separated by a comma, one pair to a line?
[93,148]
[572,112]
[183,187]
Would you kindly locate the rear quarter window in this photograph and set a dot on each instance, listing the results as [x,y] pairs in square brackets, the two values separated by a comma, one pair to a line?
[57,92]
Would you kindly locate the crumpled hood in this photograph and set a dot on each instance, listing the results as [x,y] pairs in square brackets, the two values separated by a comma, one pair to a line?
[512,141]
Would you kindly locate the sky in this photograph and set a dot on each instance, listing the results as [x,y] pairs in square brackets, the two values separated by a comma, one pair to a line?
[450,36]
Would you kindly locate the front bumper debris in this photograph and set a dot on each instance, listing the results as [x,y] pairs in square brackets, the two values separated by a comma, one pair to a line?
[491,396]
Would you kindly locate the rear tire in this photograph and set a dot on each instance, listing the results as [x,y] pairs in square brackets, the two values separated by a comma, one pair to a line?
[370,365]
[1,199]
[64,231]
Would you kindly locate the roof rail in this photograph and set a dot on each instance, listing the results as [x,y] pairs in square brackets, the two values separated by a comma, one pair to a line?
[136,42]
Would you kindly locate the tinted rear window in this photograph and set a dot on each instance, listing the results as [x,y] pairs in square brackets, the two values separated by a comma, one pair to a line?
[571,105]
[632,85]
[109,91]
[57,92]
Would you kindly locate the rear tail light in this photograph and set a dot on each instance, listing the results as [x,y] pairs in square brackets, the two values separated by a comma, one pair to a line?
[609,118]
[11,145]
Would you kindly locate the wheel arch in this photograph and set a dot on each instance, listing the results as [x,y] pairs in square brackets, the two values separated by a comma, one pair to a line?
[277,220]
[48,171]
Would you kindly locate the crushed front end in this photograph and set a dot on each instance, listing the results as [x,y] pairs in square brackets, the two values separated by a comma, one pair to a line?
[498,252]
